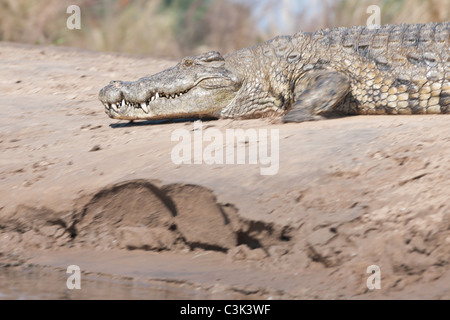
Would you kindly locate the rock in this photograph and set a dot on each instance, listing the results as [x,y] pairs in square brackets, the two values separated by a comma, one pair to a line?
[199,218]
[243,252]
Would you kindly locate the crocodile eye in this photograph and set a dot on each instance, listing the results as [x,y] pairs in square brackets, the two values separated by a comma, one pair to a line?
[188,63]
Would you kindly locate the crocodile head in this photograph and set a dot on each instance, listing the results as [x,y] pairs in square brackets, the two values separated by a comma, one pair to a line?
[198,86]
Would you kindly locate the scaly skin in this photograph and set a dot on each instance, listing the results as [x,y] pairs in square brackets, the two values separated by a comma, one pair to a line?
[396,69]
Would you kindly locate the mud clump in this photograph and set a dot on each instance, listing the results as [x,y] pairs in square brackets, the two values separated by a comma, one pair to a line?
[200,219]
[142,238]
[138,205]
[140,215]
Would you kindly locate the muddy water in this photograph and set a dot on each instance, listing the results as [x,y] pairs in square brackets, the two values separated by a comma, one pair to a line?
[31,282]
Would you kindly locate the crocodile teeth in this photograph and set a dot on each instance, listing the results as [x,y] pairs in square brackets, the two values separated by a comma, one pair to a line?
[157,95]
[114,107]
[145,107]
[153,98]
[123,103]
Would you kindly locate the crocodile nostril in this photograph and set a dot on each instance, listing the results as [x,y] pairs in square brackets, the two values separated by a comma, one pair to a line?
[116,83]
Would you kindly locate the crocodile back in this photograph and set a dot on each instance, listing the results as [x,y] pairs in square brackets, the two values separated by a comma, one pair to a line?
[394,69]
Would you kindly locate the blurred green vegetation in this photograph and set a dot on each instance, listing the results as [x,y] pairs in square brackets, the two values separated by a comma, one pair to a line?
[174,28]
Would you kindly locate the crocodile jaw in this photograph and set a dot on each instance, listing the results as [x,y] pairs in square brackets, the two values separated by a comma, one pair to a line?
[202,88]
[194,102]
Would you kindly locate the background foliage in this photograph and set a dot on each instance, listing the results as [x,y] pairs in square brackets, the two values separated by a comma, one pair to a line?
[176,28]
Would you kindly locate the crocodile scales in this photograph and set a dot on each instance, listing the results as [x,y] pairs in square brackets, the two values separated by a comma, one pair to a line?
[393,69]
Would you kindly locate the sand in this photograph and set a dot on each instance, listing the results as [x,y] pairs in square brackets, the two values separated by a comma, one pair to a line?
[78,188]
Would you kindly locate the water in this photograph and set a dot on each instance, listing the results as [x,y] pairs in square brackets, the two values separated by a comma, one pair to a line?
[31,282]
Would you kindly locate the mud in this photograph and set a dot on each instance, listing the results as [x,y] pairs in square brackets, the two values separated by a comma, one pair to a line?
[79,188]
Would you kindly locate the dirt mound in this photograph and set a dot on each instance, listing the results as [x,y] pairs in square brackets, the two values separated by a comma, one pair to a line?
[200,219]
[122,214]
[138,214]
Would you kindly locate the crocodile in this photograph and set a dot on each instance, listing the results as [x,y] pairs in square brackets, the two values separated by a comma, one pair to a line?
[391,69]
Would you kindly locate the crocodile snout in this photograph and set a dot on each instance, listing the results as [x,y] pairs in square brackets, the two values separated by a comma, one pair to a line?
[112,92]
